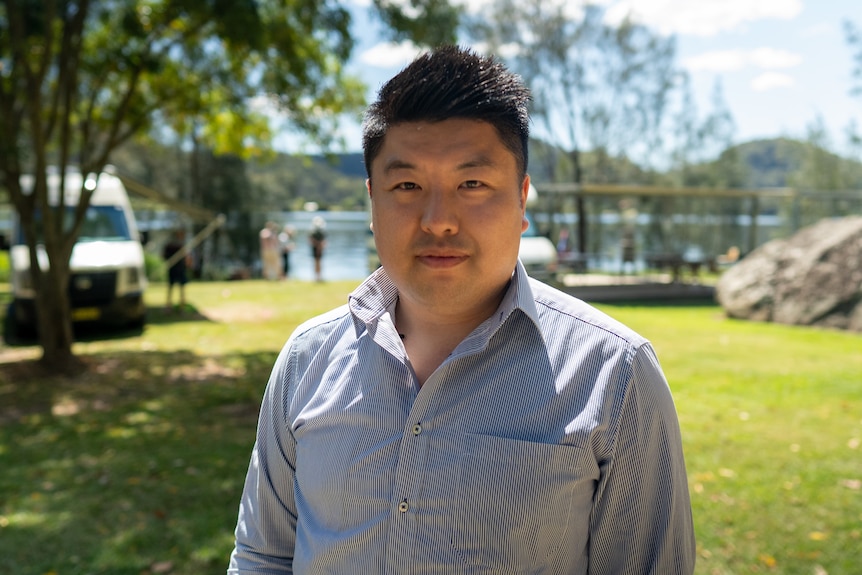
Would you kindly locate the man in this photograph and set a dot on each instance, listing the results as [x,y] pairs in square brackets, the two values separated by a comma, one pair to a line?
[285,241]
[317,241]
[269,251]
[456,416]
[177,268]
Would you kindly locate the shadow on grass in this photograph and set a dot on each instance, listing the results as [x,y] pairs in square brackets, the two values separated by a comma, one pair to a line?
[692,303]
[134,467]
[156,315]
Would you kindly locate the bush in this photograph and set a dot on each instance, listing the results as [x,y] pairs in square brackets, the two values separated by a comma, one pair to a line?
[4,266]
[155,267]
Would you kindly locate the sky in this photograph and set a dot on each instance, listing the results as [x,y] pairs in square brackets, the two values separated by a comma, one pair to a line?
[782,64]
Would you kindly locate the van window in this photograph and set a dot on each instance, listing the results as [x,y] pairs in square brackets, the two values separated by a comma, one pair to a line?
[101,223]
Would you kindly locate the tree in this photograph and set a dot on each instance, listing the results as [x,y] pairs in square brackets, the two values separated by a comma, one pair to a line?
[854,38]
[80,77]
[820,168]
[596,86]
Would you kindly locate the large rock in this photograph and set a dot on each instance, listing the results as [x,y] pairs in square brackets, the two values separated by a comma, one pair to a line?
[811,278]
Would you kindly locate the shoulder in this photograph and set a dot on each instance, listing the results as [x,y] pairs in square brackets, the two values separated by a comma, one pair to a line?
[321,327]
[309,348]
[563,314]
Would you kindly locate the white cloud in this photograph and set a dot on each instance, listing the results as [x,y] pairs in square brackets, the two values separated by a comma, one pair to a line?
[572,8]
[473,6]
[702,17]
[510,50]
[717,61]
[389,55]
[769,58]
[732,60]
[771,80]
[821,30]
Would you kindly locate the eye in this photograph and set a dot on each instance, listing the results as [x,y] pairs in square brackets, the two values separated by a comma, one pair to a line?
[406,186]
[472,184]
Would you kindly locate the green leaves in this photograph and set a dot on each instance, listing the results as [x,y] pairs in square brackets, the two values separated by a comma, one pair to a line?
[425,22]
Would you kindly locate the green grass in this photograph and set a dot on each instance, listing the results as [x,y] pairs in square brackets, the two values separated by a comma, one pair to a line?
[772,424]
[137,466]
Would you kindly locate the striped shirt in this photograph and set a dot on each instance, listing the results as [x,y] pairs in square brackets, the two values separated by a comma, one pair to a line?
[547,442]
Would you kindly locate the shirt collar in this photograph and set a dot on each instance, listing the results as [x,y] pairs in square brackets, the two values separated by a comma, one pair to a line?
[377,295]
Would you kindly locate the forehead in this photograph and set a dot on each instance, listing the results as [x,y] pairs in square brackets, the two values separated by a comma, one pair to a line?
[459,141]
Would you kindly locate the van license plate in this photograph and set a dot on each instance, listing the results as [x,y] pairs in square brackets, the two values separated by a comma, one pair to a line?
[85,314]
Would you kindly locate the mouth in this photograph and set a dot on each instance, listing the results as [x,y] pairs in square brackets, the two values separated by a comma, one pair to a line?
[441,260]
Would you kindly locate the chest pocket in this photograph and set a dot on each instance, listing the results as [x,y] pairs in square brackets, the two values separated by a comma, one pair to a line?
[523,507]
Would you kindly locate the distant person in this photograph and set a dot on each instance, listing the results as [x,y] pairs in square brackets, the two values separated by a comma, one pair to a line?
[563,242]
[178,266]
[269,252]
[627,249]
[455,415]
[286,244]
[317,239]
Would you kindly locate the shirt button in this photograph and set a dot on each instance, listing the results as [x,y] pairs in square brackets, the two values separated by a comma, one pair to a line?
[403,507]
[417,429]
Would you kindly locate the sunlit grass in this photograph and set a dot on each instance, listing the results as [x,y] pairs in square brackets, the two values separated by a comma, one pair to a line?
[137,466]
[772,421]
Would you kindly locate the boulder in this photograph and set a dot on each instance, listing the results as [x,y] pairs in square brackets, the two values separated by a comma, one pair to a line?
[811,278]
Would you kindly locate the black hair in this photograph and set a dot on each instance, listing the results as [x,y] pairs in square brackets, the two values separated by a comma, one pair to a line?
[451,82]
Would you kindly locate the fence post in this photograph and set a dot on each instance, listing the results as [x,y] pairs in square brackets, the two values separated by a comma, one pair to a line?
[752,226]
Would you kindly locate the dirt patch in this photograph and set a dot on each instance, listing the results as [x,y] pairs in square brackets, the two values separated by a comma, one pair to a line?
[13,355]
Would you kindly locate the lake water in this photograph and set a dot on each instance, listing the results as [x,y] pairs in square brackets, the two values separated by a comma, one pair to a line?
[347,238]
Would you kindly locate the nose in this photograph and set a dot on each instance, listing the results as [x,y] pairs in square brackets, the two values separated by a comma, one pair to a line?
[439,215]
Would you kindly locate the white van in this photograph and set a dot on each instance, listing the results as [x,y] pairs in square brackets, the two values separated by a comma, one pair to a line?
[108,277]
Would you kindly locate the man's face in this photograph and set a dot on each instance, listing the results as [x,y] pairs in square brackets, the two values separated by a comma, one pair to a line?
[447,213]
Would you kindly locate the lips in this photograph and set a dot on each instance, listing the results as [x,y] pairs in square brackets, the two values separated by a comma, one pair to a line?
[442,260]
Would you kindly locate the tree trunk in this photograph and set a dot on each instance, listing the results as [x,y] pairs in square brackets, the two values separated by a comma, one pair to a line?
[579,202]
[54,317]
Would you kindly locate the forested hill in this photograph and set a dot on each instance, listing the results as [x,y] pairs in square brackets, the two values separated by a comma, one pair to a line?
[351,165]
[783,162]
[772,163]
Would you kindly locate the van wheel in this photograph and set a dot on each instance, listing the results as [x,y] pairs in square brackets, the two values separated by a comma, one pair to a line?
[138,323]
[13,332]
[9,331]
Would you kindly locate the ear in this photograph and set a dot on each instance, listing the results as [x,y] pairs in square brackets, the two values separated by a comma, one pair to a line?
[368,187]
[525,190]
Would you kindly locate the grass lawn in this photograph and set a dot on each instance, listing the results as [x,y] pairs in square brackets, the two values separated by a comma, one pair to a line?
[137,467]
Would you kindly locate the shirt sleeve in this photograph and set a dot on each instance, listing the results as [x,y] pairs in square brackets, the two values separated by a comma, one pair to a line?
[642,522]
[266,526]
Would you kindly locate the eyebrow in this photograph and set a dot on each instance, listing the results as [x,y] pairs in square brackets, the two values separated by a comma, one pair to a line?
[396,164]
[481,161]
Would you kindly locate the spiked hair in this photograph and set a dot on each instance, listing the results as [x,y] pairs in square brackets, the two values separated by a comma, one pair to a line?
[451,82]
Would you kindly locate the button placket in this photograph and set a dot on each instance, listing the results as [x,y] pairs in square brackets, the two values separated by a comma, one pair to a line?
[410,477]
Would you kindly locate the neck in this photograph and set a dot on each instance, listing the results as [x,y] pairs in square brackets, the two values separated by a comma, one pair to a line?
[414,322]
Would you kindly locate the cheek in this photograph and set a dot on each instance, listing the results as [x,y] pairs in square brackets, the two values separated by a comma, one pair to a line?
[389,216]
[388,234]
